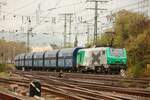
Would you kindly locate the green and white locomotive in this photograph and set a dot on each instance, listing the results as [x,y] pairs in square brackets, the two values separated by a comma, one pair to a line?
[102,59]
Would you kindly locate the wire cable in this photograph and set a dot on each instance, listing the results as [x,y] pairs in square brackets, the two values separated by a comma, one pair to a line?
[26,5]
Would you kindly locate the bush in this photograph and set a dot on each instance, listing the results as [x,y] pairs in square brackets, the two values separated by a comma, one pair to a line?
[136,70]
[2,67]
[147,71]
[10,67]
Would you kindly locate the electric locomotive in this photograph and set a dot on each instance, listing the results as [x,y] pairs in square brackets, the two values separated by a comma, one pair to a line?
[102,59]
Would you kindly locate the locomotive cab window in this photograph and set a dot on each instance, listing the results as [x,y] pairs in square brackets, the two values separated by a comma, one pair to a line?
[117,52]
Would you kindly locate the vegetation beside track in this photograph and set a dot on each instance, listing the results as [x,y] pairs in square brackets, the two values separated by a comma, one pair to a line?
[9,49]
[131,30]
[2,67]
[5,70]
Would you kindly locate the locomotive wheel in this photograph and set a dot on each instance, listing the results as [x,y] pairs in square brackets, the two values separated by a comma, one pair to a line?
[98,70]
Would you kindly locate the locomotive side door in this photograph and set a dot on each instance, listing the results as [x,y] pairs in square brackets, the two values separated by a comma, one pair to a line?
[103,58]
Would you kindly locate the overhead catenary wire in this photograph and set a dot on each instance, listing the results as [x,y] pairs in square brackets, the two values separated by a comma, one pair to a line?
[57,3]
[31,15]
[67,6]
[77,12]
[26,5]
[55,9]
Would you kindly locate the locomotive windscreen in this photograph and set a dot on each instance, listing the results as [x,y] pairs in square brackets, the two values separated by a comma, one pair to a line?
[117,52]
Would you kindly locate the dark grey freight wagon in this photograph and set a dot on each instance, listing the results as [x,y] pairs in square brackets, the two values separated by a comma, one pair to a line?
[50,60]
[38,60]
[67,58]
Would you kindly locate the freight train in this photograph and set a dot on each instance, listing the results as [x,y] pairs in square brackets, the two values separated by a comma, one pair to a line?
[99,60]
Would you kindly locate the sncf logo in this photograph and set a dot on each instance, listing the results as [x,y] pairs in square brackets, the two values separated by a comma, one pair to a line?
[96,58]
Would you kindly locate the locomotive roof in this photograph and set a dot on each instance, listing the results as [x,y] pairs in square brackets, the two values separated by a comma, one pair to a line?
[98,48]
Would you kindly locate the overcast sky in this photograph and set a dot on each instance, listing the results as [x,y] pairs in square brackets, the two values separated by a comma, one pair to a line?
[15,9]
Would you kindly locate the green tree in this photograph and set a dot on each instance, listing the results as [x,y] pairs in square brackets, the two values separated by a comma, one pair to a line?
[132,31]
[10,49]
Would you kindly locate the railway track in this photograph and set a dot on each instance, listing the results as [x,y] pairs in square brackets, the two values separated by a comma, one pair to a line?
[105,79]
[45,88]
[93,76]
[94,86]
[6,96]
[84,93]
[69,88]
[66,92]
[70,84]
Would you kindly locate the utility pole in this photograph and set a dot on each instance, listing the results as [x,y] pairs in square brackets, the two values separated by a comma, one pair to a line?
[28,34]
[70,17]
[38,13]
[88,30]
[95,18]
[1,4]
[76,41]
[65,26]
[95,24]
[76,37]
